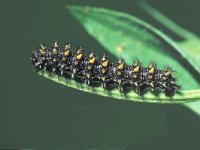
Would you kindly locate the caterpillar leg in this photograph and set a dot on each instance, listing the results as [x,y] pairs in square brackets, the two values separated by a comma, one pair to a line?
[87,81]
[169,91]
[104,85]
[120,87]
[74,71]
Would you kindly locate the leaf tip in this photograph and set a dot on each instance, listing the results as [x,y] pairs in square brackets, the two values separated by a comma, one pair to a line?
[73,7]
[77,8]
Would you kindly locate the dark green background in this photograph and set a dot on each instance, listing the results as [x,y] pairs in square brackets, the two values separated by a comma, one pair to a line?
[38,113]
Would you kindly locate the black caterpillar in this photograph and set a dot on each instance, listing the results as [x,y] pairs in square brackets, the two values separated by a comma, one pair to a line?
[64,61]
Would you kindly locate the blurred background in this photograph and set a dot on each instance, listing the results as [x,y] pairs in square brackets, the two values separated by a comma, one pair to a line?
[38,113]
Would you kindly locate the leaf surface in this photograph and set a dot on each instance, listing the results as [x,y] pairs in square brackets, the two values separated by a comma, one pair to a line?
[128,37]
[184,97]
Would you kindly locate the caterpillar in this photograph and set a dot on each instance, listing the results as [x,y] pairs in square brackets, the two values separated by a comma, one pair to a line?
[74,64]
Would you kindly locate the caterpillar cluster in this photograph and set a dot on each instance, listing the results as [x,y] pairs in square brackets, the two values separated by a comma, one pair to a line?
[90,69]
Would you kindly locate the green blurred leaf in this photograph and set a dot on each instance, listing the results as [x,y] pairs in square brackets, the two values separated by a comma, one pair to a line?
[192,47]
[165,21]
[194,106]
[125,36]
[128,37]
[186,96]
[191,44]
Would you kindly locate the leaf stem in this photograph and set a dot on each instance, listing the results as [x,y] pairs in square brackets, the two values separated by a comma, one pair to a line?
[166,21]
[184,97]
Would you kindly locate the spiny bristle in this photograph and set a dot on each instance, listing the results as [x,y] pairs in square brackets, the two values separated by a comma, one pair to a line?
[75,64]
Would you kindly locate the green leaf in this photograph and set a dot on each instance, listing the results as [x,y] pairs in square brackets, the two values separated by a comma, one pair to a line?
[194,106]
[191,44]
[192,47]
[185,96]
[126,36]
